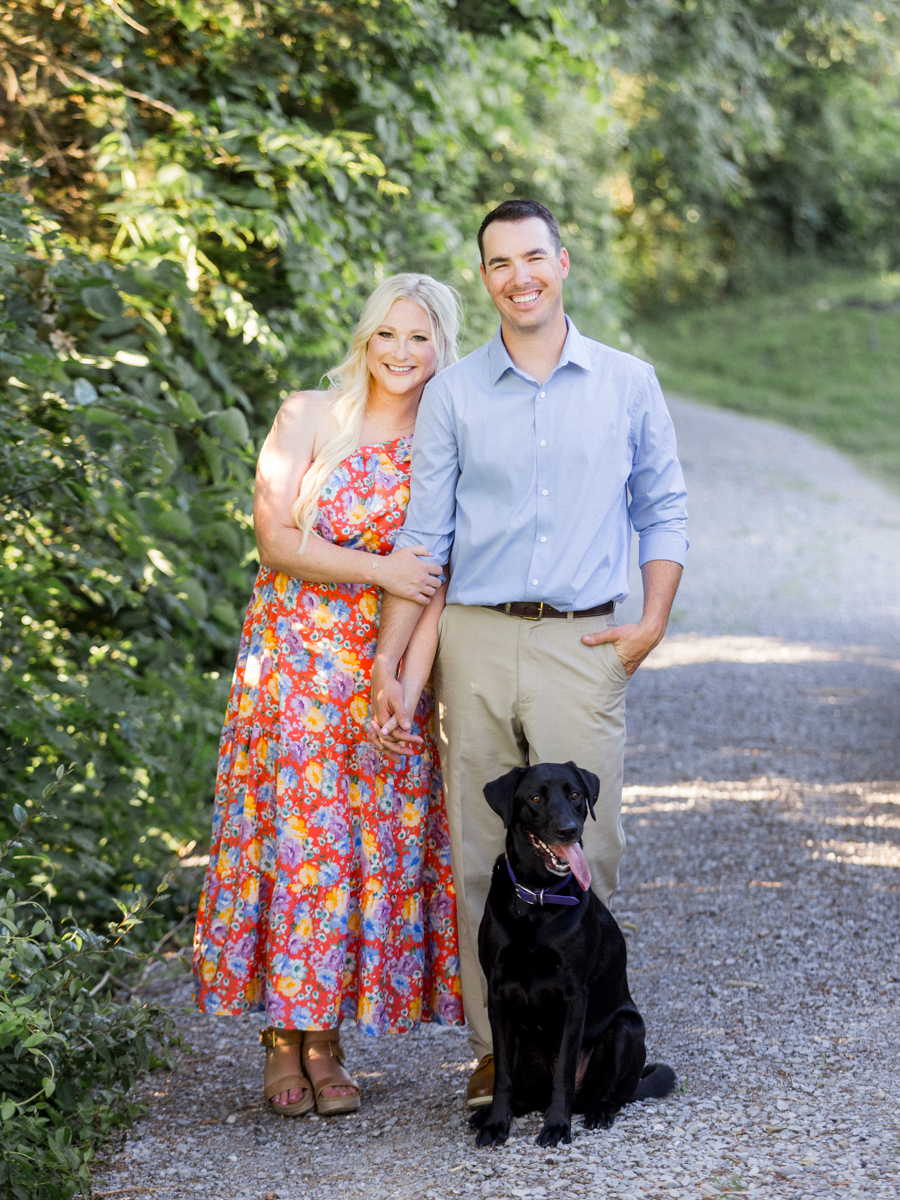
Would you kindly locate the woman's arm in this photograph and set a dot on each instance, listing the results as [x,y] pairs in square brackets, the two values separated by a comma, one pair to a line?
[301,428]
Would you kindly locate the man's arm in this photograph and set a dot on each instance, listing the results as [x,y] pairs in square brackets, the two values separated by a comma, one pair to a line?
[430,520]
[658,505]
[658,513]
[634,642]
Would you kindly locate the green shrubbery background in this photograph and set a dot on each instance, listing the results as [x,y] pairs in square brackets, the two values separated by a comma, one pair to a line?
[195,200]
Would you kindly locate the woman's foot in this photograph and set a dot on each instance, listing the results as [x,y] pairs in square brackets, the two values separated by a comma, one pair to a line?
[286,1087]
[285,1061]
[322,1057]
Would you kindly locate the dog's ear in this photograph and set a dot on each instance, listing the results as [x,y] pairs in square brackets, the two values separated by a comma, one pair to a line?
[500,793]
[590,783]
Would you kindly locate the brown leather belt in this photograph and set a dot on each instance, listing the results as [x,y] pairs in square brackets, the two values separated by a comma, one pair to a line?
[535,610]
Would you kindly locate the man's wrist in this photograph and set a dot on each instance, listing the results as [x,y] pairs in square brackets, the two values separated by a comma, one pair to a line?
[384,668]
[654,628]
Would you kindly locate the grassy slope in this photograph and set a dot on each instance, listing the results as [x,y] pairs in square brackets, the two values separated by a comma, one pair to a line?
[804,357]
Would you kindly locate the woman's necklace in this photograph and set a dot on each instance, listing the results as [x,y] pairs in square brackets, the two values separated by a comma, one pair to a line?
[398,432]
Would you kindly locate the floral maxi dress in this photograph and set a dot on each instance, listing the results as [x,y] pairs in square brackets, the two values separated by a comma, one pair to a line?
[328,892]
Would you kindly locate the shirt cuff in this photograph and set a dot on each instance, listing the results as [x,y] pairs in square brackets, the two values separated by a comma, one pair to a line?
[439,554]
[662,543]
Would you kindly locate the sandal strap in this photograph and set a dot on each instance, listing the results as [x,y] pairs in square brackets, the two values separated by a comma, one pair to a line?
[286,1083]
[280,1037]
[325,1039]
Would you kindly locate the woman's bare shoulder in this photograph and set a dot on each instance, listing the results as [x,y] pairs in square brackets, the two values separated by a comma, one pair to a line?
[304,414]
[306,405]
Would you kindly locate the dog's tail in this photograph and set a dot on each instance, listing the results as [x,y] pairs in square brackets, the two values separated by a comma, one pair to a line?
[658,1080]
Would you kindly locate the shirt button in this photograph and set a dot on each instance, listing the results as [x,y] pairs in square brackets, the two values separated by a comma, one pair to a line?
[543,394]
[543,539]
[543,443]
[534,581]
[545,492]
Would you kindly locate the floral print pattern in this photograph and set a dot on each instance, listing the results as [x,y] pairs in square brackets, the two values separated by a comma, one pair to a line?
[328,892]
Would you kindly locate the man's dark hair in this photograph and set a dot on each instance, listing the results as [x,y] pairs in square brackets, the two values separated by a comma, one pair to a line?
[521,210]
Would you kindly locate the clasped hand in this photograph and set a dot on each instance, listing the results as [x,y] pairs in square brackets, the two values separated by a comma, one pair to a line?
[408,573]
[391,724]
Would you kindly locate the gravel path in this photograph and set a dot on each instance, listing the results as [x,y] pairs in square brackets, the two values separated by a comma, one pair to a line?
[759,895]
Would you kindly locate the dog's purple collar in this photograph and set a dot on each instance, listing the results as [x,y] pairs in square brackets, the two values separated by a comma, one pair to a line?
[543,895]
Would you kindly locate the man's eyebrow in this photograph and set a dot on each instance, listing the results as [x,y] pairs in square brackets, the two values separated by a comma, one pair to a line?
[503,258]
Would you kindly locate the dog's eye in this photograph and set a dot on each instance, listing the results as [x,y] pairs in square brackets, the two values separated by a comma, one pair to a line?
[536,799]
[576,795]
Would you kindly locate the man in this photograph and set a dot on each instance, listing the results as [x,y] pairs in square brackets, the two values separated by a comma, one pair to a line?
[532,459]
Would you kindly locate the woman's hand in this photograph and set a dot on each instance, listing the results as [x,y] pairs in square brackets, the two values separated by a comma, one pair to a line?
[407,573]
[396,704]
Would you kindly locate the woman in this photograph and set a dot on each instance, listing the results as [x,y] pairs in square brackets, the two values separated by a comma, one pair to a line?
[328,892]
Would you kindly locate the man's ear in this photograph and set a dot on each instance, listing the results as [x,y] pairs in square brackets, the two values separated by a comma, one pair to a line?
[590,783]
[501,792]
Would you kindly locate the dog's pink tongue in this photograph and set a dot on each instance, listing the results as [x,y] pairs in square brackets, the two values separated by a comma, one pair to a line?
[574,856]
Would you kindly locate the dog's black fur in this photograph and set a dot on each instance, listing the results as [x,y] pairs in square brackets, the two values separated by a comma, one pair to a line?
[567,1035]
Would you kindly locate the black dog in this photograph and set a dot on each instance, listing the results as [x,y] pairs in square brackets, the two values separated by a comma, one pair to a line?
[567,1035]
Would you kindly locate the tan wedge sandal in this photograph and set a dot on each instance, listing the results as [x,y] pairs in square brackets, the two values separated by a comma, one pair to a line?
[325,1043]
[277,1079]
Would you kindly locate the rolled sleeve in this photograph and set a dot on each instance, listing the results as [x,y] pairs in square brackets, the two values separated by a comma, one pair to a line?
[431,515]
[658,506]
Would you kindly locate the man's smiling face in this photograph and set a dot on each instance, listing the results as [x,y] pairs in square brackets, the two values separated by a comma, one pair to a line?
[523,273]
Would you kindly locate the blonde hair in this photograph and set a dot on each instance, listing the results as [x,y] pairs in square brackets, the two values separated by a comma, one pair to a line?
[351,382]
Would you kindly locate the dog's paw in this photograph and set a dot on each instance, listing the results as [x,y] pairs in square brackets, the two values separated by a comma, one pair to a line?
[493,1133]
[599,1119]
[553,1133]
[480,1117]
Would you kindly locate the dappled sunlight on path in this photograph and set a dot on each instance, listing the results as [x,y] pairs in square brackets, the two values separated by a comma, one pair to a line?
[680,650]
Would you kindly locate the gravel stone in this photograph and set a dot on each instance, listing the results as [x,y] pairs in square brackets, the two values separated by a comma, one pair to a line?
[759,896]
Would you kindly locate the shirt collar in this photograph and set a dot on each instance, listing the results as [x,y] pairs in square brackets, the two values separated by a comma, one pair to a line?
[574,352]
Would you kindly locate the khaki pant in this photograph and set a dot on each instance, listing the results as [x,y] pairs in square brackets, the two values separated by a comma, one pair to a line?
[507,687]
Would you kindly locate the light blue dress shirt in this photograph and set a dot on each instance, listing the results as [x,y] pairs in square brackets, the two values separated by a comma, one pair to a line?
[532,489]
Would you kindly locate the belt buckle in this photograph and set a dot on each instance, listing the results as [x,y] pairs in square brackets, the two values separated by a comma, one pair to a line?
[540,605]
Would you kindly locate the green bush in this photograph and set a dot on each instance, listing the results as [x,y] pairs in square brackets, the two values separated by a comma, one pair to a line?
[126,558]
[68,1052]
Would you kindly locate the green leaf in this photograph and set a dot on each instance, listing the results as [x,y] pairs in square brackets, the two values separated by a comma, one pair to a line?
[174,522]
[233,424]
[20,816]
[189,406]
[195,594]
[7,1111]
[85,392]
[104,302]
[225,613]
[214,457]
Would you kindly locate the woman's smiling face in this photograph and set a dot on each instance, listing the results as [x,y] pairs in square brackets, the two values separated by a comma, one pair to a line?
[401,354]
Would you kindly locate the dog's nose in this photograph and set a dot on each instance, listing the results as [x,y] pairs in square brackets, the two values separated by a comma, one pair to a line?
[567,833]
